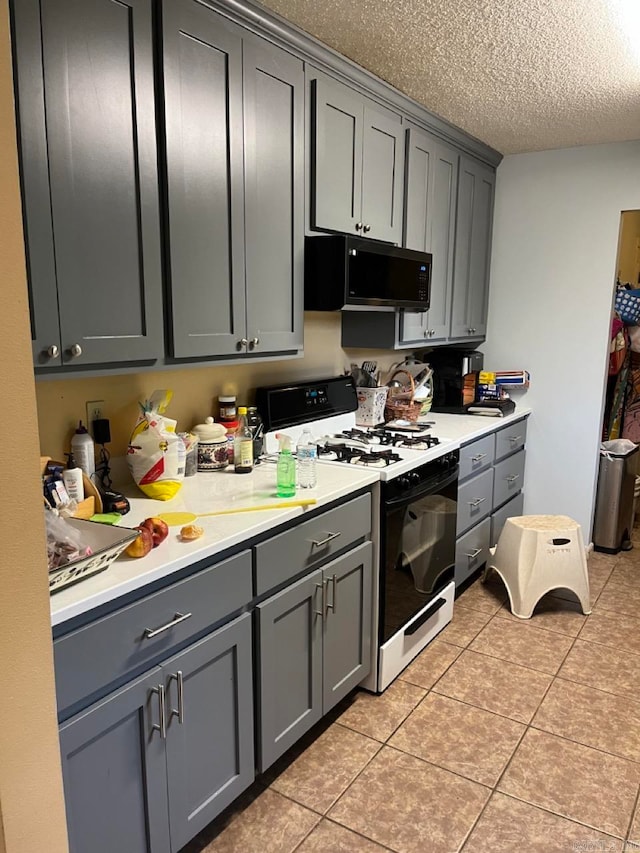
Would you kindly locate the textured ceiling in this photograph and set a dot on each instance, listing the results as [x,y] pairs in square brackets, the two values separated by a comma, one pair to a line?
[521,75]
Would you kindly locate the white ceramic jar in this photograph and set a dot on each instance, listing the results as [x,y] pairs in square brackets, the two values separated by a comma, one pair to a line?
[212,446]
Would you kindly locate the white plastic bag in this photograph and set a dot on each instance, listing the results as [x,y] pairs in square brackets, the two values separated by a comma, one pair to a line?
[156,454]
[617,447]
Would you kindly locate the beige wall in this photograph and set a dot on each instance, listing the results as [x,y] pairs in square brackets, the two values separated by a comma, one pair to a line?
[61,403]
[31,804]
[629,247]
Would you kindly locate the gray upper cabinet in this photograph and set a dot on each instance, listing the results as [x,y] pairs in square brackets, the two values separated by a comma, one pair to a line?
[234,118]
[86,108]
[476,184]
[430,222]
[356,164]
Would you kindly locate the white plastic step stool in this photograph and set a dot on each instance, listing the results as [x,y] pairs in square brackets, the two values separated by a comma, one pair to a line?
[539,553]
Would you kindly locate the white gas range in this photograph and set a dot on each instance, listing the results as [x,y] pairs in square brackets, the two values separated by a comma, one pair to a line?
[415,526]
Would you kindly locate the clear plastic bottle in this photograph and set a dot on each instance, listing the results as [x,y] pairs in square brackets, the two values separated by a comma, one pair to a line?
[307,452]
[243,444]
[286,468]
[83,449]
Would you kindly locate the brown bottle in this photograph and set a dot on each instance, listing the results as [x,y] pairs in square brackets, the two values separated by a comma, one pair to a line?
[243,444]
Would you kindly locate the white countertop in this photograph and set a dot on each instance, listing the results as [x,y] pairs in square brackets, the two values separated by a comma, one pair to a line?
[207,492]
[219,490]
[462,429]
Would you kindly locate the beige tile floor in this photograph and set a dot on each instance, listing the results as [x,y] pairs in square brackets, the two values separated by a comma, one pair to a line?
[501,736]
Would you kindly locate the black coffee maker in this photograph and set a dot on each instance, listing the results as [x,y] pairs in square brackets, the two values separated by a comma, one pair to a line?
[455,378]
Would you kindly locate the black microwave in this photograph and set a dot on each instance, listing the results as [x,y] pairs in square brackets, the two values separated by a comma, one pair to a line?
[341,271]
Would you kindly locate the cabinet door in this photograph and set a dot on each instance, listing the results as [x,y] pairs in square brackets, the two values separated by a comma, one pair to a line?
[347,627]
[274,196]
[336,183]
[202,61]
[114,773]
[101,135]
[474,222]
[209,727]
[290,673]
[382,176]
[431,184]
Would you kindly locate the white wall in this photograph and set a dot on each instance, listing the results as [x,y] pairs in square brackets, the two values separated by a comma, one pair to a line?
[556,226]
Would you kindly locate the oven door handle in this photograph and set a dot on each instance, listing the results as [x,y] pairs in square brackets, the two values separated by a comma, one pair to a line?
[429,487]
[419,621]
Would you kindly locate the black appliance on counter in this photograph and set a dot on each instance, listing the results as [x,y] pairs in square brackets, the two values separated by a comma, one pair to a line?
[341,271]
[455,378]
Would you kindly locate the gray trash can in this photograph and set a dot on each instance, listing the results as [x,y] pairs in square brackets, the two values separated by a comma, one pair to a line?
[613,520]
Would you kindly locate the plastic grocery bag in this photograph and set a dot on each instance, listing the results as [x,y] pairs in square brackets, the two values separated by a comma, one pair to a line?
[617,447]
[156,454]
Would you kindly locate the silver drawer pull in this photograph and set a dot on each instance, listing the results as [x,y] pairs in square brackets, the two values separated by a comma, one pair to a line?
[514,438]
[475,554]
[162,725]
[478,457]
[180,712]
[477,502]
[149,633]
[322,542]
[512,478]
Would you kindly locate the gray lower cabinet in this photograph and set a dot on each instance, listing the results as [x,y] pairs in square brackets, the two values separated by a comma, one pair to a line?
[89,179]
[474,223]
[356,158]
[489,492]
[234,130]
[314,641]
[151,764]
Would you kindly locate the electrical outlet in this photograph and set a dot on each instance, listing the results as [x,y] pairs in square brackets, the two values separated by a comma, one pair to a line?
[95,411]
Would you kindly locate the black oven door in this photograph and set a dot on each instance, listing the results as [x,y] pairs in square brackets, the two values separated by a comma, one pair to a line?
[418,544]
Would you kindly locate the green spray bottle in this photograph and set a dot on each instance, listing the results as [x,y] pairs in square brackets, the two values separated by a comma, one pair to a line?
[286,468]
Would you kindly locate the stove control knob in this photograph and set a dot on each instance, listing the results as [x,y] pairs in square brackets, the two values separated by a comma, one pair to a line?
[403,483]
[414,478]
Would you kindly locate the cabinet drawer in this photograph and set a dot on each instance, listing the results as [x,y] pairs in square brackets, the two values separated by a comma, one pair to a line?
[512,508]
[508,478]
[311,543]
[477,456]
[475,500]
[510,438]
[472,550]
[93,657]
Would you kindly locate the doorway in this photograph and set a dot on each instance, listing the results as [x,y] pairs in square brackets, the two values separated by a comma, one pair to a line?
[622,402]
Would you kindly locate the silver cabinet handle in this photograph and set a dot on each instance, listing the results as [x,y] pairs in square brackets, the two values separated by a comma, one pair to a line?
[254,342]
[366,229]
[75,350]
[320,612]
[514,438]
[512,478]
[322,542]
[180,682]
[162,725]
[149,633]
[331,605]
[358,226]
[475,554]
[53,351]
[242,343]
[477,502]
[432,332]
[478,457]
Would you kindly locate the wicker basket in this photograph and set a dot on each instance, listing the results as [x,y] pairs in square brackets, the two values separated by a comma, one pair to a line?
[400,404]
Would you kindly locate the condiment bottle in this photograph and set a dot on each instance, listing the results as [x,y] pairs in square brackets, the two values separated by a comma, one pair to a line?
[83,449]
[227,406]
[243,444]
[286,468]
